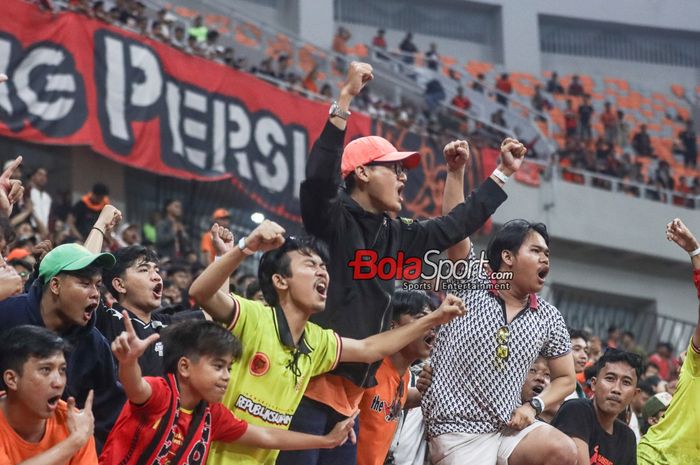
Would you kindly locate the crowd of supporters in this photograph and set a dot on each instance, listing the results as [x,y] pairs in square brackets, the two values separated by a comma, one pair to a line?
[129,342]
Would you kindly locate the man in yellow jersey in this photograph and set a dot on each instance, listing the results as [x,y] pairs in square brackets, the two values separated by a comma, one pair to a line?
[282,350]
[675,440]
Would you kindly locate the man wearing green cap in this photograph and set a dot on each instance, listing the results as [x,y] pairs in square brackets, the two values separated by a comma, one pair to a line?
[63,299]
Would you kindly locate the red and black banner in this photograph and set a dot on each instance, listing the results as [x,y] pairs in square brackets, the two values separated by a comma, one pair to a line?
[78,81]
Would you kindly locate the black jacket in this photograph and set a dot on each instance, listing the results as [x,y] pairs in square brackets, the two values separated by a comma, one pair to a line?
[359,309]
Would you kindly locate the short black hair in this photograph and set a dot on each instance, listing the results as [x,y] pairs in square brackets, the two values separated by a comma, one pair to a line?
[647,386]
[197,338]
[409,303]
[277,261]
[350,183]
[100,189]
[88,272]
[7,231]
[252,289]
[616,355]
[667,345]
[126,257]
[577,333]
[19,344]
[510,237]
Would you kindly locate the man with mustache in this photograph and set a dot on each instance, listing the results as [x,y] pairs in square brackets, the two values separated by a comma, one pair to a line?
[600,436]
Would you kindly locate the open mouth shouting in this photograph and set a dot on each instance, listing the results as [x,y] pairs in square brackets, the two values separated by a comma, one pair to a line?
[158,291]
[429,339]
[52,402]
[542,273]
[321,287]
[89,310]
[537,389]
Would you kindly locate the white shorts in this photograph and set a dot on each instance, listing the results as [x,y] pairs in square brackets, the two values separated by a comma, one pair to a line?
[477,449]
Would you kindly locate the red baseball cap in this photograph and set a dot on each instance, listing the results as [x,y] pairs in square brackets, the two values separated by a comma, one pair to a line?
[220,213]
[374,148]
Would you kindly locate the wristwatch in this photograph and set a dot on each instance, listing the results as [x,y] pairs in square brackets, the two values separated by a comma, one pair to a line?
[244,248]
[335,110]
[537,404]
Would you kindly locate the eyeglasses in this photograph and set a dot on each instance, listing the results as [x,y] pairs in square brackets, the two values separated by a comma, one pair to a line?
[503,340]
[397,168]
[395,408]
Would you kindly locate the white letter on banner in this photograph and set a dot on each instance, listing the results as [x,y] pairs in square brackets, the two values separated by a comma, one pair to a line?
[49,111]
[5,48]
[240,139]
[299,154]
[146,93]
[115,88]
[267,131]
[172,99]
[195,129]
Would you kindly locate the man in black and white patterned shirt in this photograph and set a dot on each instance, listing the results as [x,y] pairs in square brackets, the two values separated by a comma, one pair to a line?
[480,361]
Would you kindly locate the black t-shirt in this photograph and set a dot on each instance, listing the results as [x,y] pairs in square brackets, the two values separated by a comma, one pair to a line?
[585,112]
[110,324]
[576,418]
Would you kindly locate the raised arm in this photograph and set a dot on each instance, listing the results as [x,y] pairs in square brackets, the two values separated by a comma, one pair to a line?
[272,438]
[375,348]
[323,165]
[207,290]
[457,155]
[127,348]
[11,190]
[108,220]
[679,233]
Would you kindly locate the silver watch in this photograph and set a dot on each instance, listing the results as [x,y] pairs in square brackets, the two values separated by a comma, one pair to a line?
[335,110]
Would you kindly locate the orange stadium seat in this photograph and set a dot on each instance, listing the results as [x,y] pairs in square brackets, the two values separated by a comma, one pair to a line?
[359,50]
[248,34]
[186,13]
[475,68]
[279,45]
[678,90]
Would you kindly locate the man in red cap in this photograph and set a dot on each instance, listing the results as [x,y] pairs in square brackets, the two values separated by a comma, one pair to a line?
[222,217]
[362,216]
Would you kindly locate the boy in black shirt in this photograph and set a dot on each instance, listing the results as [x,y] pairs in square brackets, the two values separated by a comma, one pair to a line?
[136,283]
[600,437]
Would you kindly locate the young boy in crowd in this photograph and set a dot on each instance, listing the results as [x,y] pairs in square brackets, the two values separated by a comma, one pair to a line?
[174,419]
[136,283]
[36,426]
[282,349]
[381,405]
[600,436]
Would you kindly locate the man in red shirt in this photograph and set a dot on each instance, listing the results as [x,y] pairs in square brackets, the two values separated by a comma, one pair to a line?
[663,358]
[460,100]
[504,86]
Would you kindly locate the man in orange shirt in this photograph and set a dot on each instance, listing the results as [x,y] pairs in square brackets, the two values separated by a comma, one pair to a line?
[381,405]
[34,422]
[222,217]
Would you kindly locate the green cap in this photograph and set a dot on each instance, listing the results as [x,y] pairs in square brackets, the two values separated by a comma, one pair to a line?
[71,257]
[656,404]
